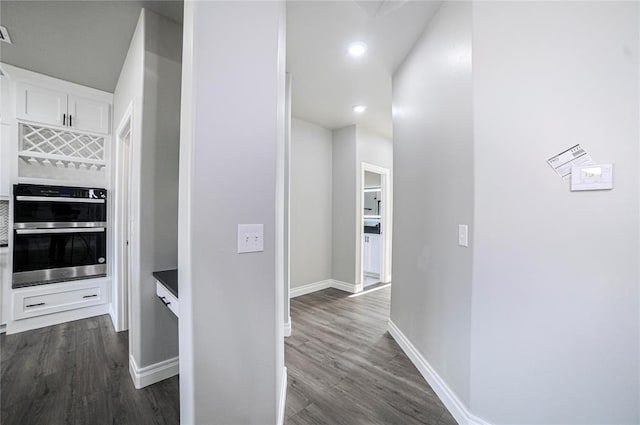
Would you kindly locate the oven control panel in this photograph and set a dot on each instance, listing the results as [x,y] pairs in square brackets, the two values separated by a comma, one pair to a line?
[59,191]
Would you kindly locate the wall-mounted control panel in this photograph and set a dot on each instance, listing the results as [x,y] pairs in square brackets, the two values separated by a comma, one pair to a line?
[592,177]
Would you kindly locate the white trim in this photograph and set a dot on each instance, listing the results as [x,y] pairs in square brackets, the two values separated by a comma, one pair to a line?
[121,229]
[324,284]
[287,327]
[309,288]
[283,397]
[151,374]
[346,286]
[386,217]
[456,407]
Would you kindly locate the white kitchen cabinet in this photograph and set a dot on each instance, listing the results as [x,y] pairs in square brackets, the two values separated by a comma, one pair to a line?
[5,173]
[168,299]
[39,104]
[5,275]
[372,253]
[52,107]
[47,299]
[88,115]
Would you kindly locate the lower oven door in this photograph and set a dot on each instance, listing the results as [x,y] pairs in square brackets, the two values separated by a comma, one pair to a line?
[55,255]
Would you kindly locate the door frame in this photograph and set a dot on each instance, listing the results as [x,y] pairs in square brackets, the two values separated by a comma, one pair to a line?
[386,213]
[122,277]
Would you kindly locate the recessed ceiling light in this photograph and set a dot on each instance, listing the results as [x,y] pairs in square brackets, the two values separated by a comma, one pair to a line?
[358,109]
[357,48]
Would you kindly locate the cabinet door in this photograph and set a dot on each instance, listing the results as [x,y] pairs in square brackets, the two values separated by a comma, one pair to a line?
[40,105]
[89,115]
[6,163]
[366,254]
[376,253]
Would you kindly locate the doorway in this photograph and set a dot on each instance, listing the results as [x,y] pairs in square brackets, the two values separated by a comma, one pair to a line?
[375,225]
[122,212]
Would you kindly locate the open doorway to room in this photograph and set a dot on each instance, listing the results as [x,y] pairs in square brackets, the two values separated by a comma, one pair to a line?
[376,225]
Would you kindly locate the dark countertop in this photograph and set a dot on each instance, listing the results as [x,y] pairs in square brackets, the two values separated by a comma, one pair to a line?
[169,279]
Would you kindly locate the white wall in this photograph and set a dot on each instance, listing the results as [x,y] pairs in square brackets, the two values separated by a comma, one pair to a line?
[372,180]
[344,196]
[541,325]
[311,203]
[433,193]
[150,78]
[555,293]
[231,322]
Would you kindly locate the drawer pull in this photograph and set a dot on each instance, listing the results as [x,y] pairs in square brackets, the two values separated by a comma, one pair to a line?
[34,305]
[90,296]
[164,301]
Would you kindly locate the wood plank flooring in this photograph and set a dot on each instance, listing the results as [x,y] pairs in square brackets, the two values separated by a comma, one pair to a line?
[345,369]
[77,373]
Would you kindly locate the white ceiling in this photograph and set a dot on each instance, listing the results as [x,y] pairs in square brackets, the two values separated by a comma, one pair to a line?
[326,81]
[84,42]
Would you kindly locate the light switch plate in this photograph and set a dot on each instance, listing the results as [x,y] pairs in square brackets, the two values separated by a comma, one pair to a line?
[592,177]
[463,235]
[250,238]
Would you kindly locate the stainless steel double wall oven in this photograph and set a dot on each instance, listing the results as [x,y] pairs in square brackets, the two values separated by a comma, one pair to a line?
[59,234]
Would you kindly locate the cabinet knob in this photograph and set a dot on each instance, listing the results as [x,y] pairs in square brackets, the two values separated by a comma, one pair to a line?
[64,119]
[70,118]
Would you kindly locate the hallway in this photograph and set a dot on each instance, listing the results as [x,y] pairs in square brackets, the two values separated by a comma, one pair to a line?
[344,368]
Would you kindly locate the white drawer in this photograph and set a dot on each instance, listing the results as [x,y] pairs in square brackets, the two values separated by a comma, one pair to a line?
[47,299]
[169,300]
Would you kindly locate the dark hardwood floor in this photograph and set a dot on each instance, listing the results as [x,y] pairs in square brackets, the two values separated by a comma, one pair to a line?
[77,373]
[345,369]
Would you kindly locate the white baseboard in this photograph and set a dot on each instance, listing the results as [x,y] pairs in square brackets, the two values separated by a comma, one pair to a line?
[309,288]
[346,286]
[283,397]
[456,407]
[324,284]
[151,374]
[287,328]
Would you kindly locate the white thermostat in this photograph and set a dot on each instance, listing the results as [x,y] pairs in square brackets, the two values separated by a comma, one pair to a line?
[592,177]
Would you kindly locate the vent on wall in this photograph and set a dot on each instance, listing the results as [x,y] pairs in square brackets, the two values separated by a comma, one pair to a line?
[4,35]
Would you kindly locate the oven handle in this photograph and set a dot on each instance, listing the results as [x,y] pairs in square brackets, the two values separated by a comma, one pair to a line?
[54,231]
[59,199]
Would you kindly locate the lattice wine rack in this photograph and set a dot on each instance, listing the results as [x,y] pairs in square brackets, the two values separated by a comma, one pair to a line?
[61,148]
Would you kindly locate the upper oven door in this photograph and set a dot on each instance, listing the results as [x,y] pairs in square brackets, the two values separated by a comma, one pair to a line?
[43,211]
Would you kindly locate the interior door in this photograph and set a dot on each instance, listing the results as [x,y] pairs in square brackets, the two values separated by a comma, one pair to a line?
[40,105]
[88,115]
